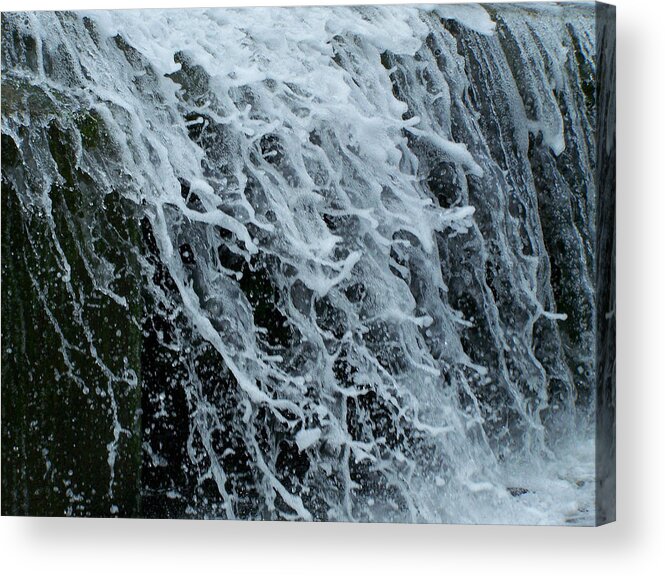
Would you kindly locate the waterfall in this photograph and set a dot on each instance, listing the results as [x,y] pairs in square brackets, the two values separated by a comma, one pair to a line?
[331,263]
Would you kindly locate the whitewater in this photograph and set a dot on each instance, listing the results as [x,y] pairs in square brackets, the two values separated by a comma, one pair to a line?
[359,262]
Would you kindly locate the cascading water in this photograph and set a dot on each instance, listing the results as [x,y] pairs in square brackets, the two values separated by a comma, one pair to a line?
[305,263]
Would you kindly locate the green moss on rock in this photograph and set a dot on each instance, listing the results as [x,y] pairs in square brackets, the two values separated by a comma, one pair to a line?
[71,342]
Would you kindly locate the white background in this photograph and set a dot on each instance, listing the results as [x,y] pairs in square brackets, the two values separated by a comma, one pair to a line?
[635,544]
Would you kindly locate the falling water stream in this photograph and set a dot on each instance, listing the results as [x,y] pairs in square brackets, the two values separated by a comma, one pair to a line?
[305,263]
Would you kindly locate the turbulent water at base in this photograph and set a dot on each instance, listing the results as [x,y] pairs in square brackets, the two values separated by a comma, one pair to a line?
[359,258]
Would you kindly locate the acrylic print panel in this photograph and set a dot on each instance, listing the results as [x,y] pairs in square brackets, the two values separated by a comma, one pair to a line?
[331,264]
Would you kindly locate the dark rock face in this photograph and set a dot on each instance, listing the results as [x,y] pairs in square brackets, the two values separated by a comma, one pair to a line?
[606,268]
[71,349]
